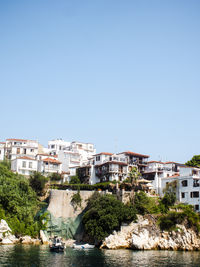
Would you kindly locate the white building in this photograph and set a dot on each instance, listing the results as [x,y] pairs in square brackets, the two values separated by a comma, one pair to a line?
[188,186]
[49,165]
[2,150]
[135,160]
[111,167]
[71,154]
[24,165]
[20,147]
[57,145]
[157,170]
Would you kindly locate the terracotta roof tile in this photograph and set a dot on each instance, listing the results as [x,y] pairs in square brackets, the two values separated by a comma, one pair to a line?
[54,161]
[25,157]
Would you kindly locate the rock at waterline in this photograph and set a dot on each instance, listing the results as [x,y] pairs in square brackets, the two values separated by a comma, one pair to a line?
[6,236]
[146,235]
[44,239]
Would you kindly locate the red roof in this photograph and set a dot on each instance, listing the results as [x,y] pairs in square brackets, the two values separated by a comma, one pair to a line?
[54,161]
[134,154]
[154,161]
[13,139]
[104,153]
[173,176]
[25,157]
[2,142]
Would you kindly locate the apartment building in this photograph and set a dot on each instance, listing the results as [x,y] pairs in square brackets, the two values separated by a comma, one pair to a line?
[20,147]
[111,167]
[24,165]
[187,185]
[155,171]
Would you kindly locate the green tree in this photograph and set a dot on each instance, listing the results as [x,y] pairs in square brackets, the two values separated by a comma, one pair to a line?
[18,202]
[133,176]
[74,180]
[194,162]
[38,182]
[169,198]
[55,176]
[76,199]
[105,214]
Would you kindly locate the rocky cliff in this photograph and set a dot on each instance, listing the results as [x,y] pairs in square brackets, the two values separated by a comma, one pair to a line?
[146,235]
[65,218]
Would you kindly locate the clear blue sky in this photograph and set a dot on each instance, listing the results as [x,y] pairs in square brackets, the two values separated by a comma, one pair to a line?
[123,74]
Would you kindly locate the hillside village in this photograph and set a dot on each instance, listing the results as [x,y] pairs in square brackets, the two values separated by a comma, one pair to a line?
[75,158]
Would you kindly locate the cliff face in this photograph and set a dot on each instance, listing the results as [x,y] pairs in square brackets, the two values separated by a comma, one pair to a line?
[65,219]
[145,235]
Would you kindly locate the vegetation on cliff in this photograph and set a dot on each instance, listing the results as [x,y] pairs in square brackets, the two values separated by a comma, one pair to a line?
[105,214]
[18,203]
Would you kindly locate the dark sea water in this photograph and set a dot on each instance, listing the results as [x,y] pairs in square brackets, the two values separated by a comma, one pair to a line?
[32,256]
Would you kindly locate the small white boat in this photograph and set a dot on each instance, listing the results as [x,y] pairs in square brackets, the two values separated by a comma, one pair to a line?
[83,246]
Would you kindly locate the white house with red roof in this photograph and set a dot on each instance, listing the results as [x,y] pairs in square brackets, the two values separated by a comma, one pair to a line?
[49,165]
[24,165]
[106,166]
[135,159]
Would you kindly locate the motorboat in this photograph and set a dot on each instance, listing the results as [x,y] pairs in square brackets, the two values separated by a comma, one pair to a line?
[57,244]
[83,246]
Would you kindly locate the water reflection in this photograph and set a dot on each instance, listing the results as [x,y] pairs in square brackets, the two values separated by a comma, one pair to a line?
[40,256]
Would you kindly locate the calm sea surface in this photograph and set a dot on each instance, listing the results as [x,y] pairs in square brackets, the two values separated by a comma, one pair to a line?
[25,256]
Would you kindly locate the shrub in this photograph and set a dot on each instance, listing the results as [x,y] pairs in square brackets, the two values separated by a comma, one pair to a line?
[105,214]
[168,200]
[145,204]
[75,180]
[186,215]
[38,182]
[76,200]
[55,176]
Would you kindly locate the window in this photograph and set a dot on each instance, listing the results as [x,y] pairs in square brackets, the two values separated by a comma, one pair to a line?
[194,194]
[184,183]
[60,148]
[97,158]
[18,150]
[182,195]
[23,171]
[52,146]
[24,164]
[196,207]
[24,150]
[32,150]
[0,151]
[30,165]
[195,183]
